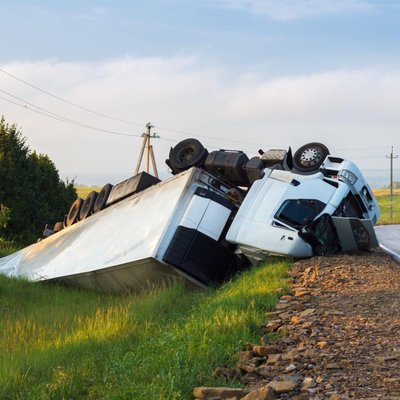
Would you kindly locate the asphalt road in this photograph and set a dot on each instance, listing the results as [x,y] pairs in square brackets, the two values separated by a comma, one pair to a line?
[389,239]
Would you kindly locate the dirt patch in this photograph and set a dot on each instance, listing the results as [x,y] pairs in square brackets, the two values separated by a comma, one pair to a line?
[339,333]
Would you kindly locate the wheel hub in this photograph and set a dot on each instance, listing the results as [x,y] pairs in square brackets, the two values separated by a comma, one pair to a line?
[310,157]
[187,155]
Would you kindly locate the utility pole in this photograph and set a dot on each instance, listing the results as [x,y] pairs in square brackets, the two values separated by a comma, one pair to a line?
[146,146]
[391,156]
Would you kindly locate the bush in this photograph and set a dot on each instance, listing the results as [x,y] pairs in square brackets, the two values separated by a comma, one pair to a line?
[30,188]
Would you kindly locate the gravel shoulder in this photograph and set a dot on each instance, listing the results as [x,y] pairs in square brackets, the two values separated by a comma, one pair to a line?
[338,334]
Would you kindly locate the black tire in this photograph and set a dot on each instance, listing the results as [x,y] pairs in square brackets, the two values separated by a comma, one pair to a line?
[186,154]
[58,226]
[87,206]
[309,158]
[73,213]
[102,197]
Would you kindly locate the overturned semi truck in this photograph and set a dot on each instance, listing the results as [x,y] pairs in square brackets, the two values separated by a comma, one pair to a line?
[219,212]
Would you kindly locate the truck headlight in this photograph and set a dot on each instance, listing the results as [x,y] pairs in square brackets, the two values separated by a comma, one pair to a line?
[348,176]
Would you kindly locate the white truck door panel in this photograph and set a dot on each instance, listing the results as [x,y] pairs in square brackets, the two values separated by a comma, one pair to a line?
[195,212]
[214,220]
[206,216]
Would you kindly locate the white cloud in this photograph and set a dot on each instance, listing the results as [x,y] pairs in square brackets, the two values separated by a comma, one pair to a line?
[294,9]
[342,108]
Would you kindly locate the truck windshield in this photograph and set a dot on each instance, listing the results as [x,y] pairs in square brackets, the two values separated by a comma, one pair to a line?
[299,212]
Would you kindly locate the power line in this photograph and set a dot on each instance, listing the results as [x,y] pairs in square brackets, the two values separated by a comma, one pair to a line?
[62,118]
[77,123]
[70,102]
[205,136]
[59,117]
[114,118]
[67,120]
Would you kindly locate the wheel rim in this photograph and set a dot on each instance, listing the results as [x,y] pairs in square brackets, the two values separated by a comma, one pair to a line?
[186,155]
[310,157]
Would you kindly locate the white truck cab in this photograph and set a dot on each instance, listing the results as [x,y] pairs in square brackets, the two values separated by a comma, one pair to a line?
[288,213]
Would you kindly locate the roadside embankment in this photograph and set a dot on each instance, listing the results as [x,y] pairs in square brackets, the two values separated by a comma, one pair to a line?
[338,335]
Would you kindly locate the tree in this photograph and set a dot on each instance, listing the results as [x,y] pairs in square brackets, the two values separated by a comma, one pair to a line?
[4,216]
[30,188]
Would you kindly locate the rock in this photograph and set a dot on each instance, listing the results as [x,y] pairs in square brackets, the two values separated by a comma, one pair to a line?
[300,292]
[284,330]
[301,396]
[295,319]
[246,355]
[273,359]
[307,325]
[315,332]
[264,351]
[290,368]
[307,383]
[386,359]
[333,313]
[303,337]
[273,325]
[266,371]
[286,315]
[282,306]
[391,380]
[246,367]
[285,383]
[262,393]
[223,393]
[307,312]
[332,366]
[290,355]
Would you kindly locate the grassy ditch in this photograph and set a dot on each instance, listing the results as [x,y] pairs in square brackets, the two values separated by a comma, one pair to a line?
[61,343]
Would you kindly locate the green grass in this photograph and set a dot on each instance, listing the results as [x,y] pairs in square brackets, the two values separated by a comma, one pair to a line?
[383,199]
[62,343]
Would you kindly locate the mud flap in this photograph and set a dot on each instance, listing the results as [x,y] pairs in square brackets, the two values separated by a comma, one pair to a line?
[322,236]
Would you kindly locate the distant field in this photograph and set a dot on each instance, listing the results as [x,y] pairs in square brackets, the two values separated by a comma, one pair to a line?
[83,191]
[383,198]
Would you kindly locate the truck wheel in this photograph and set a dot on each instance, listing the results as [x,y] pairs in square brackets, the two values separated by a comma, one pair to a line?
[73,213]
[58,226]
[187,153]
[309,158]
[87,206]
[102,197]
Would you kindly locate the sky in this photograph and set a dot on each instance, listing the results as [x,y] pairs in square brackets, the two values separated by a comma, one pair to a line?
[82,78]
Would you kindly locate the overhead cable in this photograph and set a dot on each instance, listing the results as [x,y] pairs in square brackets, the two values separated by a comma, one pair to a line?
[67,120]
[70,102]
[115,118]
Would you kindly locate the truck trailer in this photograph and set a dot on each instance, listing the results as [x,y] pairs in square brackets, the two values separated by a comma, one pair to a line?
[219,212]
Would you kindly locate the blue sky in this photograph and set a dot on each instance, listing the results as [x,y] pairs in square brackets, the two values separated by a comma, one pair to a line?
[268,73]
